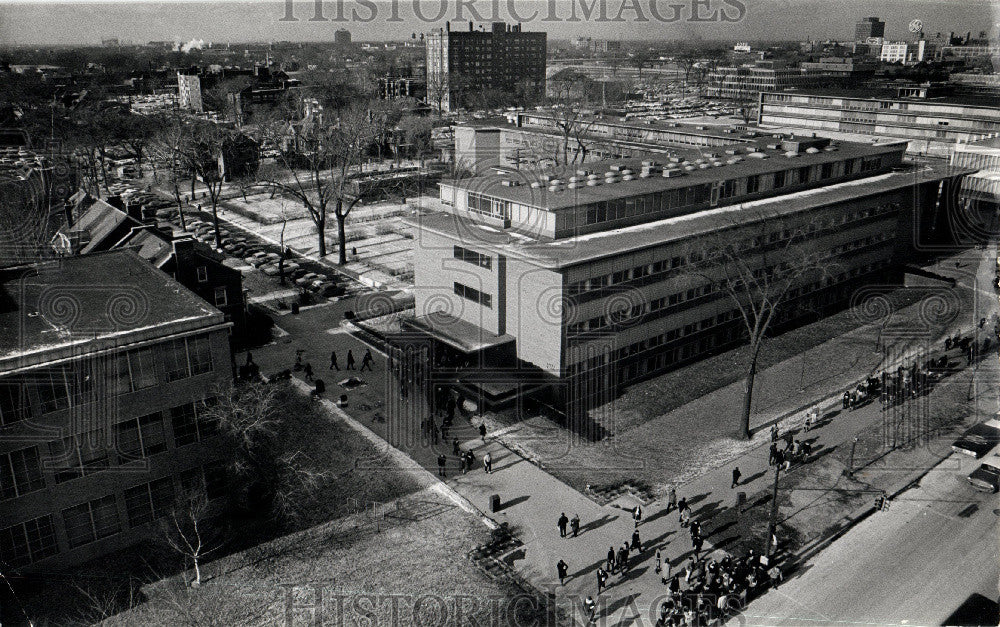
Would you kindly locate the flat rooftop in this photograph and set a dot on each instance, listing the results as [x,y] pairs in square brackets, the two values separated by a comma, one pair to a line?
[774,160]
[91,302]
[890,93]
[566,252]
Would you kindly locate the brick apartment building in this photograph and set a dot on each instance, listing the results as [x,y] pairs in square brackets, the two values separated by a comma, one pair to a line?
[578,279]
[463,64]
[103,372]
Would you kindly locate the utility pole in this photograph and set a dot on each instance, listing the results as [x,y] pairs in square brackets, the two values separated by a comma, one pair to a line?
[772,526]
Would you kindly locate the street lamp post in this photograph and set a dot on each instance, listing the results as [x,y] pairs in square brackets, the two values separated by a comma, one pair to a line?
[850,464]
[772,526]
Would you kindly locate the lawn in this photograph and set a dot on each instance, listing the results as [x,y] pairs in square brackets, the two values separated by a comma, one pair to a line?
[674,427]
[413,571]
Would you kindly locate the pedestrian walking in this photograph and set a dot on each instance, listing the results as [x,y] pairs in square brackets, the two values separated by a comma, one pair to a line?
[591,607]
[602,578]
[350,359]
[736,477]
[333,361]
[454,447]
[695,528]
[671,499]
[562,568]
[682,507]
[434,430]
[574,524]
[637,515]
[774,432]
[366,361]
[442,460]
[563,521]
[622,564]
[488,463]
[847,399]
[636,543]
[698,542]
[308,371]
[656,568]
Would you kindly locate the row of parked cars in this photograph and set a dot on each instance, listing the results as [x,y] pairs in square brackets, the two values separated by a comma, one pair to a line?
[267,262]
[978,442]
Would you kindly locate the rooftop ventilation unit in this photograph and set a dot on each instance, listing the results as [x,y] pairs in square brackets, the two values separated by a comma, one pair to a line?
[628,177]
[791,153]
[509,183]
[667,174]
[812,150]
[731,151]
[616,167]
[774,146]
[689,168]
[582,172]
[593,183]
[536,185]
[831,148]
[573,185]
[757,155]
[704,166]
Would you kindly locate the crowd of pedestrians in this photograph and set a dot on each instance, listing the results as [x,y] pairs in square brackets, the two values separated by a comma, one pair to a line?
[707,589]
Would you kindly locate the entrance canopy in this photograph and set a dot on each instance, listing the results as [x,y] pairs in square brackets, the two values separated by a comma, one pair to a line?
[457,333]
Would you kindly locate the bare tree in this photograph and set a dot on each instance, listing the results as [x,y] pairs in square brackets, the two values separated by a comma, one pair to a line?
[757,273]
[266,477]
[572,125]
[187,531]
[169,147]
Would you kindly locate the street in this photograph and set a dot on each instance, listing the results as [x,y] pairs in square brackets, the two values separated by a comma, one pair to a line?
[913,564]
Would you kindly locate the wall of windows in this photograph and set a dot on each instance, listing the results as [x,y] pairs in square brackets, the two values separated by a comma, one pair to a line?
[20,473]
[28,542]
[471,293]
[89,522]
[492,207]
[141,437]
[190,425]
[148,502]
[471,256]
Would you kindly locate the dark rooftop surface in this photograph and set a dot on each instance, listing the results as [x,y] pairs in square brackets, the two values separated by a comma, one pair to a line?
[492,184]
[77,300]
[555,254]
[458,333]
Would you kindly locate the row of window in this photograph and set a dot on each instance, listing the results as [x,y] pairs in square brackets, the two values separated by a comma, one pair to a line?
[34,540]
[54,389]
[710,322]
[492,207]
[78,455]
[471,256]
[815,228]
[471,293]
[616,209]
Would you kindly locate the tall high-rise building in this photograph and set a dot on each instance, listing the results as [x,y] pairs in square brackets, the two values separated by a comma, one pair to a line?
[463,64]
[189,92]
[869,27]
[342,36]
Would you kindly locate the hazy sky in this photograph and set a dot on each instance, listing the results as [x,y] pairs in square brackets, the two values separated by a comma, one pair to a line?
[242,20]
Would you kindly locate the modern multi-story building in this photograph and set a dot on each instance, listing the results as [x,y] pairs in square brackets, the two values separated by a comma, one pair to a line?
[931,124]
[189,92]
[105,364]
[584,278]
[464,64]
[907,52]
[869,27]
[980,190]
[744,82]
[342,36]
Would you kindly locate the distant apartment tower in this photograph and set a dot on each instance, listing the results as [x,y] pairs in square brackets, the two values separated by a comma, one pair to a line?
[463,64]
[869,27]
[102,427]
[189,92]
[342,36]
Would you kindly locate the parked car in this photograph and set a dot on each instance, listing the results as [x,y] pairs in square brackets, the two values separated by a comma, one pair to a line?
[306,279]
[297,272]
[986,478]
[979,440]
[256,259]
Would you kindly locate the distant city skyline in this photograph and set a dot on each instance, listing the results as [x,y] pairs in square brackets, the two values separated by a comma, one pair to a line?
[45,23]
